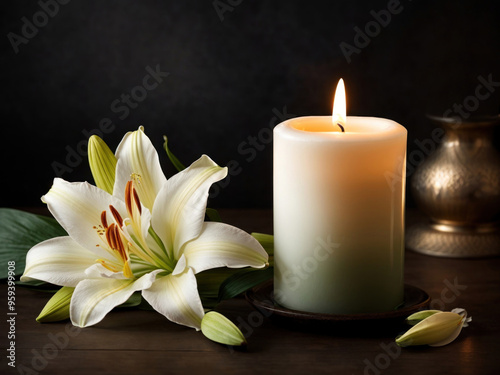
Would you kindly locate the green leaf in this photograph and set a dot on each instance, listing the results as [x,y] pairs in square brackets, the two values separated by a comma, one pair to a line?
[173,159]
[133,301]
[19,232]
[144,305]
[39,285]
[266,240]
[220,329]
[242,281]
[213,215]
[209,281]
[209,303]
[34,283]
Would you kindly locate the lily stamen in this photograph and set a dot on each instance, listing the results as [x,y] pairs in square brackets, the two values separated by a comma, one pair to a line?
[138,244]
[131,197]
[136,177]
[108,265]
[117,245]
[109,238]
[104,220]
[116,215]
[115,241]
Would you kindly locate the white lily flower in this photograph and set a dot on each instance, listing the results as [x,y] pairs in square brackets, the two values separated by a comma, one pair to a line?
[148,236]
[181,244]
[94,258]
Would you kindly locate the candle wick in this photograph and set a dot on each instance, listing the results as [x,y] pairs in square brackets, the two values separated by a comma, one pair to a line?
[341,127]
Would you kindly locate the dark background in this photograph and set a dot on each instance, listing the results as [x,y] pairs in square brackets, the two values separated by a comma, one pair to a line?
[229,75]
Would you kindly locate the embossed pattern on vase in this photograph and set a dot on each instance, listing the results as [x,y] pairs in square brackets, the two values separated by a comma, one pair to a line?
[459,185]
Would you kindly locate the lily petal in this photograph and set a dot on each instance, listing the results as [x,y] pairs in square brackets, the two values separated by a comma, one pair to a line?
[138,160]
[450,338]
[454,335]
[179,209]
[77,206]
[59,261]
[181,265]
[222,245]
[94,298]
[177,298]
[462,312]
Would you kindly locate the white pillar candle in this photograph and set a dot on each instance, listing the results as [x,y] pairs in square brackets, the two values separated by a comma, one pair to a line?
[339,214]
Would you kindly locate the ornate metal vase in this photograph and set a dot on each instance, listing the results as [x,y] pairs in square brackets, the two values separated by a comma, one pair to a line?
[458,188]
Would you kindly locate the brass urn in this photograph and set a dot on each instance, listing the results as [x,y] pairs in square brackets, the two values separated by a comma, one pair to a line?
[458,188]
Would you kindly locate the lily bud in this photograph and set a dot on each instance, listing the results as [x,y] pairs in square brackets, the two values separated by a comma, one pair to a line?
[419,316]
[57,308]
[220,329]
[102,163]
[438,329]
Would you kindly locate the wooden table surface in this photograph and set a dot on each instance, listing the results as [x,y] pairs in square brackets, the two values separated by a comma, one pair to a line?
[144,342]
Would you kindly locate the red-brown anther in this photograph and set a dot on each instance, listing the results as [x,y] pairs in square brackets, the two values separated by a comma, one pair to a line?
[119,243]
[137,201]
[116,215]
[128,198]
[115,242]
[104,220]
[110,237]
[131,194]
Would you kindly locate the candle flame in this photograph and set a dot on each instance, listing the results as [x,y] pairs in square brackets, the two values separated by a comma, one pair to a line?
[339,106]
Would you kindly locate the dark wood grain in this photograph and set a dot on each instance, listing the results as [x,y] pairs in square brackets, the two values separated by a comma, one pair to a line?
[139,342]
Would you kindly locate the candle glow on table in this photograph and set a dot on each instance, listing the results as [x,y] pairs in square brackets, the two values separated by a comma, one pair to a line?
[339,213]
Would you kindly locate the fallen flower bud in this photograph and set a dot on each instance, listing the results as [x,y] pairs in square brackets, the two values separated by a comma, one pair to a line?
[438,329]
[220,329]
[57,308]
